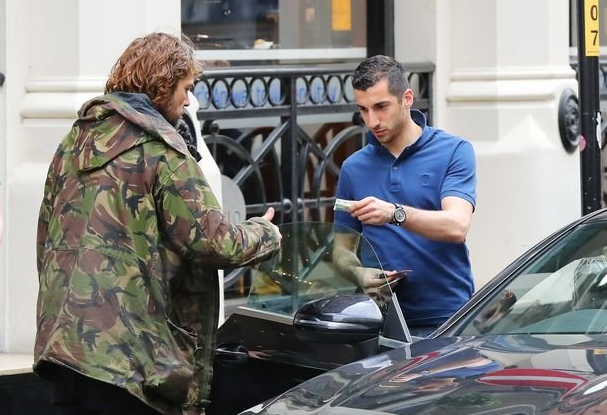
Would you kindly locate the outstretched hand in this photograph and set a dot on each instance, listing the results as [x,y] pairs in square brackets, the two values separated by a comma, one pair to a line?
[269,215]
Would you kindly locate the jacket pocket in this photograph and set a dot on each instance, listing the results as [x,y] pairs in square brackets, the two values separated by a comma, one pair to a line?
[172,374]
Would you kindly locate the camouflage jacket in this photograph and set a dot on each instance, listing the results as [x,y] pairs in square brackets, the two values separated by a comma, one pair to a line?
[129,238]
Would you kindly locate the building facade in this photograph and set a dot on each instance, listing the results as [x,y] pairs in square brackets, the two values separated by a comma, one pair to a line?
[501,68]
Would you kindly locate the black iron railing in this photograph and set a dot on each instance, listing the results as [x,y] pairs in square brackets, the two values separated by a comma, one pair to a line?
[280,160]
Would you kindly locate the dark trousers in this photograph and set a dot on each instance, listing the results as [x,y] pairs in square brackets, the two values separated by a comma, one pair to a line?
[76,394]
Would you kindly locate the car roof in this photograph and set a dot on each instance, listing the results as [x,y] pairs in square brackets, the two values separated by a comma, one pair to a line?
[598,216]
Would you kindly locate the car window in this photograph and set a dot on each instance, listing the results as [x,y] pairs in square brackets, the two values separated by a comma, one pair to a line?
[304,269]
[563,290]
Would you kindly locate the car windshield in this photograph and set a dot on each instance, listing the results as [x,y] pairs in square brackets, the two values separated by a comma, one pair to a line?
[304,268]
[563,290]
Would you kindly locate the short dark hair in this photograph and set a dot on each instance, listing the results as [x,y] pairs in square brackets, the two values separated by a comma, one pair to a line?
[377,68]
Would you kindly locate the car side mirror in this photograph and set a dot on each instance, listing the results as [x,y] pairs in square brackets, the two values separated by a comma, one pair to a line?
[338,319]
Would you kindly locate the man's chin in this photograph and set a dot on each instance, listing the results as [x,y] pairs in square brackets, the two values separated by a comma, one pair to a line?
[382,133]
[382,138]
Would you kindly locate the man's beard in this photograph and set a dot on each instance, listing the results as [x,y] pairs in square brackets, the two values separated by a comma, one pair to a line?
[171,116]
[174,120]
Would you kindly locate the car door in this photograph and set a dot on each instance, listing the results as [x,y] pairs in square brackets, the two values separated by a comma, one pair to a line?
[259,354]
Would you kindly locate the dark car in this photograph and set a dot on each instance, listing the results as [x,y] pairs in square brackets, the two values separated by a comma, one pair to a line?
[531,341]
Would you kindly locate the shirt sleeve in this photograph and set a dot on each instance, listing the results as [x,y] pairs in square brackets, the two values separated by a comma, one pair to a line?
[460,180]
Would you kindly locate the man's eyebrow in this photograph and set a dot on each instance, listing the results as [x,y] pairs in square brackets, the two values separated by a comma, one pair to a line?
[376,104]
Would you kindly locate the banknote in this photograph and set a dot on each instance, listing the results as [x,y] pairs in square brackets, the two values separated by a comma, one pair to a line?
[342,204]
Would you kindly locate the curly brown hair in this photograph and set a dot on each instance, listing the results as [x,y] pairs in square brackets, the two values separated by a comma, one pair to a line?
[153,65]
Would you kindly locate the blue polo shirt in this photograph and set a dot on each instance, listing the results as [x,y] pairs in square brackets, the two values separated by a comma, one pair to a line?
[437,165]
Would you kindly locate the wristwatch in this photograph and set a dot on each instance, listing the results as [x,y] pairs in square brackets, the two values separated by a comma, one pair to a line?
[399,215]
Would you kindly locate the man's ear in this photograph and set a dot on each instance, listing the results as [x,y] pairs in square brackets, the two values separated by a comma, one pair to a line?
[408,97]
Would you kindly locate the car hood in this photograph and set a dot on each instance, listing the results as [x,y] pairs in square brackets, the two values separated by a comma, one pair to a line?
[507,374]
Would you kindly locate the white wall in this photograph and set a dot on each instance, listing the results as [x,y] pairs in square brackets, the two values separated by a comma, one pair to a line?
[500,69]
[53,63]
[3,105]
[498,80]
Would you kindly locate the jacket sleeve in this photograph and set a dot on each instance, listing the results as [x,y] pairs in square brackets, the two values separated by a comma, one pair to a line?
[43,220]
[194,225]
[46,208]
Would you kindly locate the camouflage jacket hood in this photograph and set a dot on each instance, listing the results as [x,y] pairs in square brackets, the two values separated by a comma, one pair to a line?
[129,239]
[102,143]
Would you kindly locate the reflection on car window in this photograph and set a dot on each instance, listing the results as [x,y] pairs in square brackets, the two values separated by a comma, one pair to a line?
[304,269]
[563,291]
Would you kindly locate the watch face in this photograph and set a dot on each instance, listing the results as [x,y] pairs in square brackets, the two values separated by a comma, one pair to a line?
[399,215]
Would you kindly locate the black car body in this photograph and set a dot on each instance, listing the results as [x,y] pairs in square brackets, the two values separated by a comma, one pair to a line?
[509,374]
[530,341]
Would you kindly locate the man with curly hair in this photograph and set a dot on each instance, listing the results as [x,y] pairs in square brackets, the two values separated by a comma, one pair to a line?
[130,237]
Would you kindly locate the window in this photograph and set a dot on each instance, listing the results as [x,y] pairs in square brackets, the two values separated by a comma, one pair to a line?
[573,27]
[232,32]
[304,269]
[563,291]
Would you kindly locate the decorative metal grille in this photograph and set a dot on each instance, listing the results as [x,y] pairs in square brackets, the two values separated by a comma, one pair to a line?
[284,163]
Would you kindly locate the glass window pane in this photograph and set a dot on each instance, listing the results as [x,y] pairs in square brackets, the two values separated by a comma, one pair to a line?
[563,291]
[573,27]
[304,269]
[268,28]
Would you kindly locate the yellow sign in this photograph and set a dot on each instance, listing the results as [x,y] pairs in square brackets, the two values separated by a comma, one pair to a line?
[591,27]
[341,15]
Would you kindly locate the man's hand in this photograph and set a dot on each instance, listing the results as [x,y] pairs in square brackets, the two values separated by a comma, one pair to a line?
[374,277]
[375,282]
[372,211]
[269,215]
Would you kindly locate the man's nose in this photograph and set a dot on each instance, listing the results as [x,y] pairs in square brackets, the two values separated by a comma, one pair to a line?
[186,102]
[372,119]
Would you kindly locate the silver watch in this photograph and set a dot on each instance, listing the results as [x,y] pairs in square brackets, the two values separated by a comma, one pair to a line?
[399,215]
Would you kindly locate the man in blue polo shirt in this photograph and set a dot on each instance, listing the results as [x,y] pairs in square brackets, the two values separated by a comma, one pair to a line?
[414,189]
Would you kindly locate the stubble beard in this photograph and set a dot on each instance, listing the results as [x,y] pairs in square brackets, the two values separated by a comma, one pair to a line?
[173,116]
[386,138]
